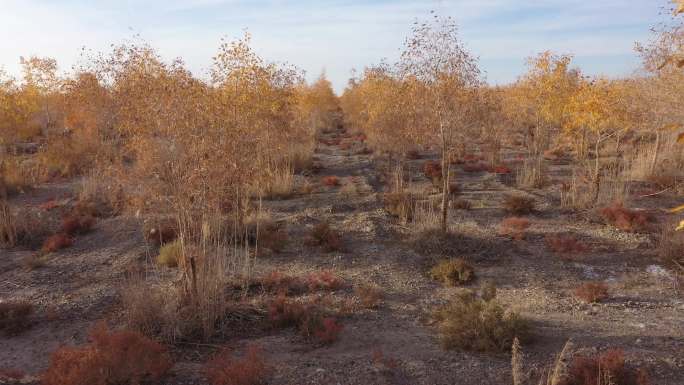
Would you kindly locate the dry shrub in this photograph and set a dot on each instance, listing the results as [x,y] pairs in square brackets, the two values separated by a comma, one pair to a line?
[280,184]
[323,235]
[57,242]
[555,154]
[514,227]
[331,181]
[432,170]
[112,357]
[75,224]
[453,272]
[519,204]
[471,323]
[437,242]
[273,239]
[532,173]
[501,169]
[328,331]
[623,218]
[461,204]
[160,232]
[15,317]
[170,254]
[311,321]
[607,368]
[566,244]
[400,205]
[14,178]
[8,226]
[277,282]
[226,369]
[592,292]
[369,296]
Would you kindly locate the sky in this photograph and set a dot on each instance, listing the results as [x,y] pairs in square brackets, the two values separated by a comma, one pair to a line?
[334,36]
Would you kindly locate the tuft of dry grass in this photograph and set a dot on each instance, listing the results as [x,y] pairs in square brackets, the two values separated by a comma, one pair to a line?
[592,292]
[671,246]
[400,205]
[8,226]
[370,296]
[15,317]
[519,204]
[453,272]
[170,254]
[280,184]
[461,204]
[471,323]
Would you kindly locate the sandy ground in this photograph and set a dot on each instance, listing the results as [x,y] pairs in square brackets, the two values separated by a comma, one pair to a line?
[644,315]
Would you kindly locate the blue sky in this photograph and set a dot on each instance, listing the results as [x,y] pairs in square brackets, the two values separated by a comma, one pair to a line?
[334,36]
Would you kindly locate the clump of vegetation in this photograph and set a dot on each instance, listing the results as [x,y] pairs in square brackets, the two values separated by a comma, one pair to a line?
[592,292]
[369,296]
[453,272]
[432,170]
[227,369]
[311,321]
[619,216]
[112,357]
[170,254]
[324,280]
[323,235]
[473,323]
[57,242]
[671,246]
[519,204]
[609,367]
[15,317]
[160,233]
[514,227]
[565,244]
[8,227]
[273,239]
[331,181]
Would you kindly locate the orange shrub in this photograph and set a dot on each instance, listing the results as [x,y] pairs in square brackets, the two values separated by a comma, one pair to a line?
[56,242]
[331,181]
[624,219]
[592,292]
[514,227]
[328,331]
[112,357]
[500,169]
[565,244]
[608,367]
[225,369]
[277,282]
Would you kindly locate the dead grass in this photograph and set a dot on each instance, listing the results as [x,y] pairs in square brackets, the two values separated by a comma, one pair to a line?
[400,205]
[453,272]
[75,224]
[607,368]
[566,244]
[280,183]
[112,357]
[225,368]
[370,296]
[170,254]
[670,246]
[461,204]
[15,317]
[471,323]
[57,242]
[532,173]
[592,292]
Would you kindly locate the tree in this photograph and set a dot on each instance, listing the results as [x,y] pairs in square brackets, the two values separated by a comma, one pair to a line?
[444,80]
[41,81]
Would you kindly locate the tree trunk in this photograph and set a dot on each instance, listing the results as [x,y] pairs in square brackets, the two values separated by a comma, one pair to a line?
[654,160]
[445,187]
[597,174]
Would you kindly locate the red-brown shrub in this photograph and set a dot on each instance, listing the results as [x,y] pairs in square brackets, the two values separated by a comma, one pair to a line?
[11,374]
[284,312]
[49,205]
[432,170]
[277,282]
[361,137]
[591,292]
[328,331]
[161,234]
[624,219]
[14,317]
[500,169]
[519,204]
[369,296]
[324,280]
[112,357]
[56,242]
[331,181]
[76,224]
[514,227]
[345,146]
[607,368]
[565,244]
[226,369]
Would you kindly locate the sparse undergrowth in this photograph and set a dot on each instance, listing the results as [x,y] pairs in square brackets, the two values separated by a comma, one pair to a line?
[326,237]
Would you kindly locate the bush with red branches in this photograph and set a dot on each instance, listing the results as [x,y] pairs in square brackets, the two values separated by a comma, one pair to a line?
[566,244]
[592,292]
[619,216]
[56,242]
[609,367]
[227,369]
[331,181]
[514,227]
[432,170]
